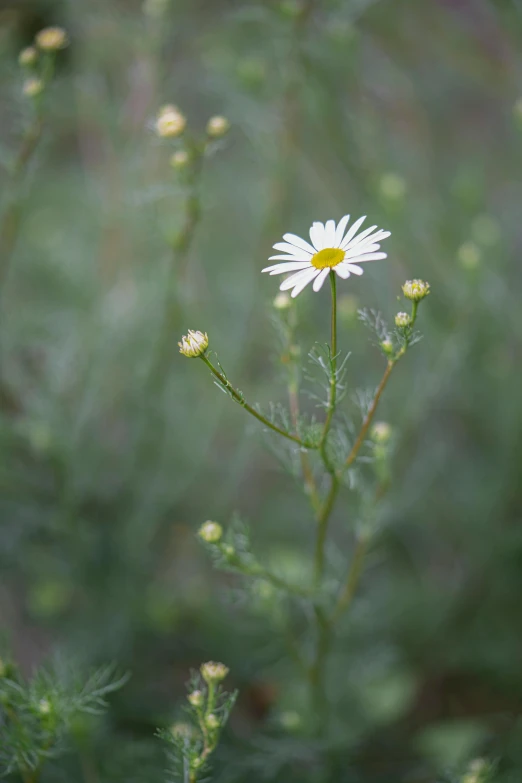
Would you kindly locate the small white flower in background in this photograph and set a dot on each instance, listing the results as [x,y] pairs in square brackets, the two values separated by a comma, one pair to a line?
[196,698]
[44,706]
[210,532]
[193,344]
[33,87]
[381,432]
[51,39]
[282,301]
[170,122]
[332,248]
[180,159]
[217,126]
[28,56]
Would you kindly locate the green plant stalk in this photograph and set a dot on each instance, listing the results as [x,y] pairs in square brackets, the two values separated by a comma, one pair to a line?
[239,399]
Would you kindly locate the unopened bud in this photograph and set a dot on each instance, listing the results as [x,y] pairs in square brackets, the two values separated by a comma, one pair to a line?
[51,39]
[210,532]
[415,290]
[44,707]
[387,347]
[217,126]
[282,301]
[170,122]
[402,320]
[381,432]
[33,87]
[28,56]
[180,159]
[212,721]
[196,698]
[213,672]
[193,344]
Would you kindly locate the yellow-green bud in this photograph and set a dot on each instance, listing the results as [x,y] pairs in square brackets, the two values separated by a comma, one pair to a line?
[213,672]
[392,187]
[282,301]
[33,87]
[402,320]
[28,56]
[217,127]
[469,256]
[387,347]
[180,159]
[381,432]
[290,720]
[196,698]
[210,532]
[212,721]
[193,344]
[51,39]
[228,551]
[415,290]
[170,122]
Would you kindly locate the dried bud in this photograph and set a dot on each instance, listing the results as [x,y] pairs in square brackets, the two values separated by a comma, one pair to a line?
[402,320]
[217,127]
[212,721]
[170,122]
[193,344]
[180,159]
[210,532]
[282,301]
[213,672]
[381,432]
[51,39]
[415,290]
[196,698]
[33,88]
[28,56]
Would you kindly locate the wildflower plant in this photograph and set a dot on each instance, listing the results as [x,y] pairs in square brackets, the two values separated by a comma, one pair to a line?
[191,742]
[327,452]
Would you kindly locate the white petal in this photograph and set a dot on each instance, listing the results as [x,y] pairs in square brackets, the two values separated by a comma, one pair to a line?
[295,279]
[313,272]
[364,237]
[299,257]
[359,250]
[354,269]
[351,231]
[329,233]
[292,250]
[339,231]
[370,257]
[317,236]
[343,271]
[291,266]
[302,244]
[360,237]
[321,277]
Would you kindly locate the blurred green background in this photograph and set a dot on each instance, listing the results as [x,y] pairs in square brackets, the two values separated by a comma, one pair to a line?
[403,111]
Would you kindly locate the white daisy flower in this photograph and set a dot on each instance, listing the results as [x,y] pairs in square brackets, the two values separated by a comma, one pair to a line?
[331,248]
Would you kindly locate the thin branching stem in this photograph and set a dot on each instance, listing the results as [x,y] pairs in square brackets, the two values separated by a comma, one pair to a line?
[225,383]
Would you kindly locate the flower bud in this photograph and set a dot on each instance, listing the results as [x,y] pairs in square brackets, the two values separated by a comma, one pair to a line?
[212,721]
[180,159]
[50,39]
[387,347]
[290,720]
[213,672]
[282,301]
[402,320]
[33,88]
[182,730]
[28,56]
[415,290]
[381,432]
[193,344]
[217,127]
[196,698]
[228,551]
[210,532]
[170,122]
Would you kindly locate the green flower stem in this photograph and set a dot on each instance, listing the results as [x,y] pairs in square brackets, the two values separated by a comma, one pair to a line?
[239,399]
[354,574]
[332,393]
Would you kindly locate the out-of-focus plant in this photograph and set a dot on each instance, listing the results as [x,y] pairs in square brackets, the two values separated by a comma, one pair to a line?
[37,714]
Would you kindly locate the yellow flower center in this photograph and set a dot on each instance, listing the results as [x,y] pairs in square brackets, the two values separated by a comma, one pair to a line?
[329,257]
